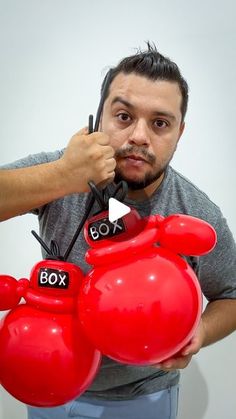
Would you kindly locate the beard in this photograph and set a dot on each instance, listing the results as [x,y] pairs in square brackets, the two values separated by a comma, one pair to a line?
[135,185]
[148,178]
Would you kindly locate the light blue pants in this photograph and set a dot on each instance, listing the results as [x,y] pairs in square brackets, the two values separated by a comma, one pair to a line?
[160,405]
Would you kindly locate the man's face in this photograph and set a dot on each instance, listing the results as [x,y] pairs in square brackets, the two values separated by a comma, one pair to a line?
[143,120]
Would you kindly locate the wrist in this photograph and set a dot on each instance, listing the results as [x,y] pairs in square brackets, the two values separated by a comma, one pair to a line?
[63,178]
[204,333]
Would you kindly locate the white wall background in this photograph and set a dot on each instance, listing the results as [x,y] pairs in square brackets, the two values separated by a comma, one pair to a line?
[53,56]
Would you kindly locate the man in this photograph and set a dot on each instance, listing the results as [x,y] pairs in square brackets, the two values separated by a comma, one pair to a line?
[141,123]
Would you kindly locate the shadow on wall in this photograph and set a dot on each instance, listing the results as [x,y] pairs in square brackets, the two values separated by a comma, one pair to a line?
[193,399]
[10,407]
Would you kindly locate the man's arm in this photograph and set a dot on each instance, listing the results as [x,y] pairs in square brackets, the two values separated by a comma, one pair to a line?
[86,158]
[218,321]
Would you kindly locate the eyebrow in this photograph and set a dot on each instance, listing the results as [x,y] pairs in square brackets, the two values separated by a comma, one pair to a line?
[123,101]
[119,99]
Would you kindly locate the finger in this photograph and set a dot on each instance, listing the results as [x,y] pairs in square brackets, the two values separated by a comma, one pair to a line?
[168,364]
[100,138]
[175,363]
[82,131]
[108,152]
[111,177]
[104,183]
[110,166]
[192,348]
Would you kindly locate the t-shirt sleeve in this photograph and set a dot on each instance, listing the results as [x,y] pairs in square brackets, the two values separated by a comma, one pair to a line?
[33,160]
[217,270]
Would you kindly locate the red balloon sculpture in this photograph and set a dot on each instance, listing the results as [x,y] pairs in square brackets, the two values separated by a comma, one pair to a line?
[141,303]
[45,358]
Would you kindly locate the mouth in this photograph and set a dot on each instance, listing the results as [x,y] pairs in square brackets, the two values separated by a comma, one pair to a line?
[134,162]
[135,157]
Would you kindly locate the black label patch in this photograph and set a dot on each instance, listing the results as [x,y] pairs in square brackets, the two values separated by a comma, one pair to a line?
[53,278]
[101,229]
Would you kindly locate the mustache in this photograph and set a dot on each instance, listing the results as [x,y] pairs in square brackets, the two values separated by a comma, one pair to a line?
[138,151]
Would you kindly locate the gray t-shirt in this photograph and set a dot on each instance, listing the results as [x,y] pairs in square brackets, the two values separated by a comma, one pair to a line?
[216,271]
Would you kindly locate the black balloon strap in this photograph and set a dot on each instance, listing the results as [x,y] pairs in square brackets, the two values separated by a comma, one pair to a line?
[53,252]
[102,198]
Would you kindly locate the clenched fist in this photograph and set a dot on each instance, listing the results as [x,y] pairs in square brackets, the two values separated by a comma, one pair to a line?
[88,157]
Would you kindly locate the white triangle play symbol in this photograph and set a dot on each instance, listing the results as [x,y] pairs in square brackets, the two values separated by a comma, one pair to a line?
[116,209]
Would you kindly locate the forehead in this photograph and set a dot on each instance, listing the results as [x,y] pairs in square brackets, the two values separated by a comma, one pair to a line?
[145,93]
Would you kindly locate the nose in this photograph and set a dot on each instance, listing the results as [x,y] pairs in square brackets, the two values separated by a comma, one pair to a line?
[139,133]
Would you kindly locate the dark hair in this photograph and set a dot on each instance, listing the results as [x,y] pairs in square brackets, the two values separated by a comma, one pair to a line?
[151,64]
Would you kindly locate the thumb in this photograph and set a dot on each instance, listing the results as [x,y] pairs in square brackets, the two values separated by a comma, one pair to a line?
[192,347]
[82,131]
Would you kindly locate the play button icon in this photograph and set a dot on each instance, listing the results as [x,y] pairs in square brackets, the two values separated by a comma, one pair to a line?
[116,209]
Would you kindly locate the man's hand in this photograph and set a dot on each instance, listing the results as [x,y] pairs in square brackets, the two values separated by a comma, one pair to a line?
[182,359]
[88,157]
[218,321]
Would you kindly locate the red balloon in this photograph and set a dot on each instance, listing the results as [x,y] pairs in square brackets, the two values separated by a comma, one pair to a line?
[45,358]
[11,291]
[143,311]
[140,304]
[187,235]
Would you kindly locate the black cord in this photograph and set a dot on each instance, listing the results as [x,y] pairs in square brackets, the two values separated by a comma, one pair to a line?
[102,100]
[53,252]
[46,248]
[96,193]
[90,124]
[99,196]
[86,214]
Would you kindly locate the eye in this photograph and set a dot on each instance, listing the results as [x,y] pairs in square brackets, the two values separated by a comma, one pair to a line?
[123,117]
[159,123]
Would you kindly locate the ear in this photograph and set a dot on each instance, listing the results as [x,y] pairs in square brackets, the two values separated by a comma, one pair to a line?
[100,122]
[181,129]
